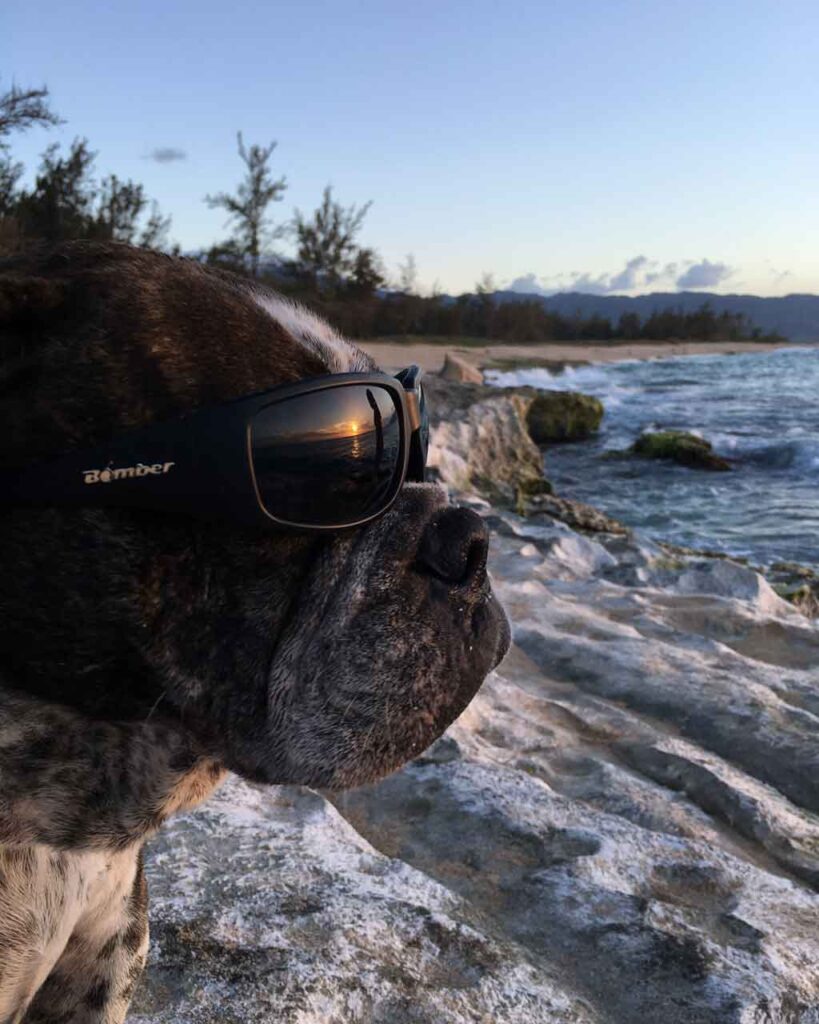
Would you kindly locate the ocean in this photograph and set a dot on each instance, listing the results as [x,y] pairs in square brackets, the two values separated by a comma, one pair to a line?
[759,410]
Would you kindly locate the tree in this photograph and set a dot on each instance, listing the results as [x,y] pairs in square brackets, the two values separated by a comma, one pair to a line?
[486,285]
[20,109]
[367,274]
[10,173]
[60,206]
[67,203]
[485,290]
[248,207]
[326,242]
[408,275]
[628,326]
[227,254]
[121,204]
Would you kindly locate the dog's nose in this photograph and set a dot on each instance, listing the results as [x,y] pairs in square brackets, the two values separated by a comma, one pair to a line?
[454,546]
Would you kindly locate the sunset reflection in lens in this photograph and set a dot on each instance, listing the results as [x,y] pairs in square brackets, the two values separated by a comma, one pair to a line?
[329,457]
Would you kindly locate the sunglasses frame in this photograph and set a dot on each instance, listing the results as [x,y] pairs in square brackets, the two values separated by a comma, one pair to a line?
[202,464]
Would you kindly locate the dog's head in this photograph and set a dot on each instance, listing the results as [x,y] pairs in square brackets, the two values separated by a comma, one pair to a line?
[327,660]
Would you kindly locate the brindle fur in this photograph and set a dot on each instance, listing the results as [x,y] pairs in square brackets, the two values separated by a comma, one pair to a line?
[143,655]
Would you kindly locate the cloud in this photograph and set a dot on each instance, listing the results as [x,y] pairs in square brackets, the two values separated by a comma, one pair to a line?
[704,275]
[527,284]
[166,155]
[667,273]
[631,276]
[640,274]
[637,273]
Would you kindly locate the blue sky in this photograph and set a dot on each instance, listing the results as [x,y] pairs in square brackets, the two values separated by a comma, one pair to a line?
[611,146]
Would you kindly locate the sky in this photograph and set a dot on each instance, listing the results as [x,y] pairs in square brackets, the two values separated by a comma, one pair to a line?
[598,145]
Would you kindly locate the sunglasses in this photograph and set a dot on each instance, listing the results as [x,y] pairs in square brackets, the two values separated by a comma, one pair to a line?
[327,453]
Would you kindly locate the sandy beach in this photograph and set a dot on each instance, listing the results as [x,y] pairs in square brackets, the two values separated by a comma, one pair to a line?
[395,354]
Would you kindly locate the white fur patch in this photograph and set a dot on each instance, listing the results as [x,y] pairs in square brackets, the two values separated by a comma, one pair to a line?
[41,907]
[340,355]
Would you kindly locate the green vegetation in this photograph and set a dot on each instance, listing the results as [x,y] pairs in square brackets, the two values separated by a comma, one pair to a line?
[330,271]
[527,488]
[66,201]
[563,416]
[248,208]
[681,447]
[480,319]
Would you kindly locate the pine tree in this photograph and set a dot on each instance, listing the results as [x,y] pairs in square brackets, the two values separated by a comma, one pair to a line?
[247,209]
[326,242]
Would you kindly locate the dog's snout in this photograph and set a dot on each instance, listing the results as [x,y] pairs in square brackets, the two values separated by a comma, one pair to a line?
[454,546]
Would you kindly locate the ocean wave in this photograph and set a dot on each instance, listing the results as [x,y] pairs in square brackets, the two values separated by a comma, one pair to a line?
[800,455]
[535,377]
[591,380]
[758,410]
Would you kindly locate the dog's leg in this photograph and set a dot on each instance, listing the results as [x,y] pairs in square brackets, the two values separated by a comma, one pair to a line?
[94,979]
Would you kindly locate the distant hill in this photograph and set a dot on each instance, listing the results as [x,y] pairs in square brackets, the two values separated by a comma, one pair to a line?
[794,316]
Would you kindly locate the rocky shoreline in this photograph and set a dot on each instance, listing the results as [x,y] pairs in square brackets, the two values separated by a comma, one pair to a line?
[623,826]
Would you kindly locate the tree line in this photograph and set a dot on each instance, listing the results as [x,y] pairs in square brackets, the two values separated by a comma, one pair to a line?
[473,316]
[330,271]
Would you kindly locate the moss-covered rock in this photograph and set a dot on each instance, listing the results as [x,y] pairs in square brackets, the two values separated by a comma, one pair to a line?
[576,514]
[797,584]
[563,416]
[679,446]
[529,488]
[804,597]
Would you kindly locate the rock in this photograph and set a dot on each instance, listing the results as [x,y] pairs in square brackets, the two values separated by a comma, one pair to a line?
[728,579]
[458,369]
[266,905]
[622,826]
[563,416]
[573,556]
[577,514]
[804,597]
[679,446]
[648,925]
[796,584]
[479,441]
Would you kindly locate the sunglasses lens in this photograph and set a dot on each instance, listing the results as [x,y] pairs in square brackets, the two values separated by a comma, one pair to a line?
[330,458]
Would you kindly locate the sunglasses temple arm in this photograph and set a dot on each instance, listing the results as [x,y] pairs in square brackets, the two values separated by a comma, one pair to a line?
[175,467]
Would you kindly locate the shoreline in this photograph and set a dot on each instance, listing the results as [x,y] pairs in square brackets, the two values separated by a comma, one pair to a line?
[551,355]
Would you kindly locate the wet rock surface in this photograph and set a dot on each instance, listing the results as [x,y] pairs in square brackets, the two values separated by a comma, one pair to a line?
[680,447]
[556,416]
[575,513]
[623,826]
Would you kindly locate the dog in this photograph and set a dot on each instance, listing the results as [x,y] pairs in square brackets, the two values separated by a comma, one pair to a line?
[145,654]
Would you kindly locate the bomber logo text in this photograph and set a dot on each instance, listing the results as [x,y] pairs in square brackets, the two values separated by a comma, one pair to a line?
[106,476]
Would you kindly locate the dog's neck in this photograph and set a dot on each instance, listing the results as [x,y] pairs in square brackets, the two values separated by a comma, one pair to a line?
[76,784]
